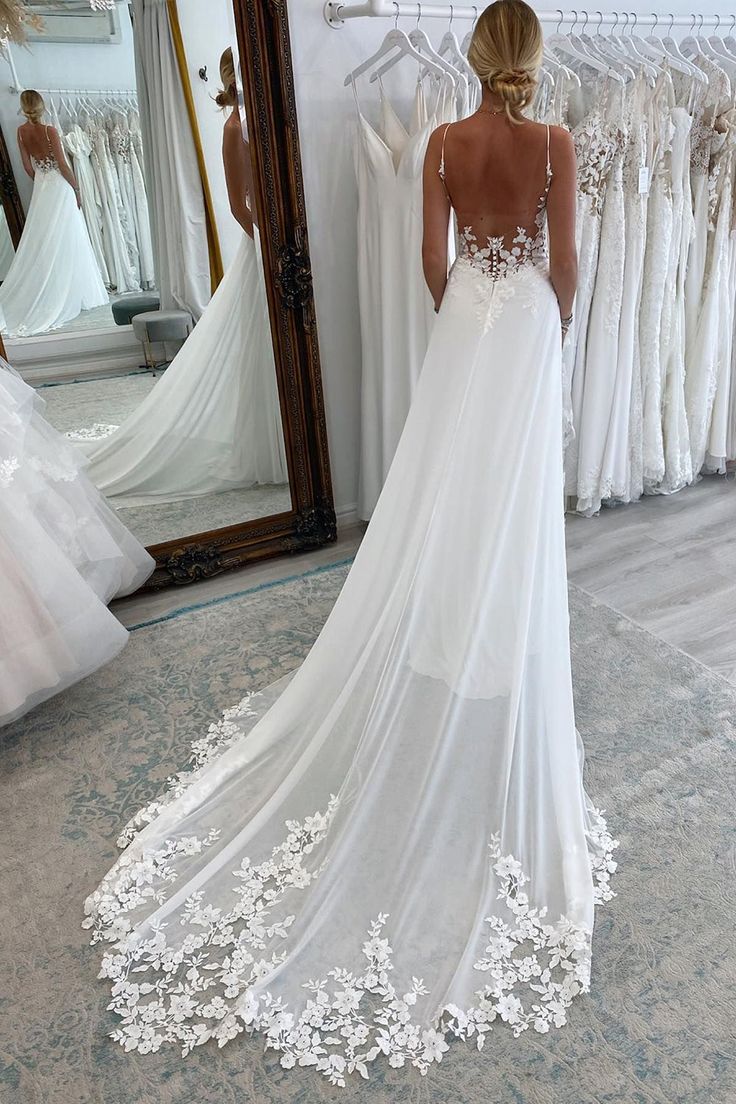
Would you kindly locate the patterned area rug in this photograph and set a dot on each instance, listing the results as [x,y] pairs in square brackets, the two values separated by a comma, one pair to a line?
[658,1025]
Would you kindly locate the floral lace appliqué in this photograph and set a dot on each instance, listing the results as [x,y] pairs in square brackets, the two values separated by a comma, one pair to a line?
[201,986]
[8,468]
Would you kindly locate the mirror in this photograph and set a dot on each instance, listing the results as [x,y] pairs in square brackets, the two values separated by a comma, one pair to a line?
[137,289]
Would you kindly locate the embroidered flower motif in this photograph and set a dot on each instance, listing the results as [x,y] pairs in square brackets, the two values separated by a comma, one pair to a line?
[8,468]
[94,432]
[201,986]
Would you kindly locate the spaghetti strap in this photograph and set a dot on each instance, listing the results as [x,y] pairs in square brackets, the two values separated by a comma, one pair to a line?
[549,166]
[441,170]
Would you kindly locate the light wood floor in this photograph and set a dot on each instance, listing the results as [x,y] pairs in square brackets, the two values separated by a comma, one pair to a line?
[668,563]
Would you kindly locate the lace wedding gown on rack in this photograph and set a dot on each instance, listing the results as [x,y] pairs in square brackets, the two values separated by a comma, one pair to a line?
[63,555]
[54,276]
[213,421]
[393,845]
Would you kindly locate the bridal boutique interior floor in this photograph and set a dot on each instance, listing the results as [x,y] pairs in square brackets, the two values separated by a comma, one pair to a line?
[659,731]
[82,404]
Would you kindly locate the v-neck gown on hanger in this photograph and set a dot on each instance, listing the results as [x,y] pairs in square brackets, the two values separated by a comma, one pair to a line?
[392,845]
[396,313]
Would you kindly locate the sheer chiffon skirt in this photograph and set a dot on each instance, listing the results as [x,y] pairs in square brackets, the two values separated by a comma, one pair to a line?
[393,844]
[54,275]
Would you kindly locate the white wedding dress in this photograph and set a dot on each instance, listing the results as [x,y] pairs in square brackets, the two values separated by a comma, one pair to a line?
[54,275]
[396,311]
[63,555]
[213,421]
[393,844]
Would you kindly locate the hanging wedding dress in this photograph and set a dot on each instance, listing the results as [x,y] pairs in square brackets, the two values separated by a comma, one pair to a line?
[63,555]
[595,145]
[116,251]
[79,146]
[141,212]
[393,845]
[678,472]
[654,288]
[593,422]
[396,313]
[54,275]
[702,354]
[7,249]
[213,421]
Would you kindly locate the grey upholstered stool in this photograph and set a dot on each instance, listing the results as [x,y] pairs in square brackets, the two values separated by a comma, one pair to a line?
[173,325]
[127,307]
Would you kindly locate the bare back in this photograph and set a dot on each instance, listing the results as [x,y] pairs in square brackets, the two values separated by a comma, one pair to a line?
[37,140]
[496,175]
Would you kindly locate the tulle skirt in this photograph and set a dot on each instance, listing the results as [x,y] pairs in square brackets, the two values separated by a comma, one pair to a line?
[393,845]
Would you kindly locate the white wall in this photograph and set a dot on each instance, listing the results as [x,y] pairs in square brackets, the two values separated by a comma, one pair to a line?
[63,65]
[322,59]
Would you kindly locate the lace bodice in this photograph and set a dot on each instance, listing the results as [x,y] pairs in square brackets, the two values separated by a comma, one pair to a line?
[45,165]
[504,254]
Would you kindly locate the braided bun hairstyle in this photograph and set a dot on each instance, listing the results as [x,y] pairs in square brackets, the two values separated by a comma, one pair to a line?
[32,105]
[506,52]
[228,97]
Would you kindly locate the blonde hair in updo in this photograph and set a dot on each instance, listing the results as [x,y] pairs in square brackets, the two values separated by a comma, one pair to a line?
[32,105]
[506,52]
[228,97]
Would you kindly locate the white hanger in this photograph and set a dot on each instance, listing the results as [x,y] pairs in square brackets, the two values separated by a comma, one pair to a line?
[421,43]
[720,50]
[562,43]
[394,40]
[450,45]
[607,47]
[674,58]
[469,36]
[672,47]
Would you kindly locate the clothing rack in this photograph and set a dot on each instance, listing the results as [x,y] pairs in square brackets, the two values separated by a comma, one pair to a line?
[87,91]
[336,13]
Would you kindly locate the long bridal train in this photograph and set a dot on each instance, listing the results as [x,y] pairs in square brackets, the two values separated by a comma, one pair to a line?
[212,422]
[63,555]
[393,845]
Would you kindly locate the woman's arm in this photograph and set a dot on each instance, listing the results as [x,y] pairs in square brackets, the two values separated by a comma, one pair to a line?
[64,168]
[238,174]
[436,221]
[27,163]
[563,258]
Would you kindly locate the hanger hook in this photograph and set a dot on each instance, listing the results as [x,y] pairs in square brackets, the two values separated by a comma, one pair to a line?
[718,22]
[636,20]
[700,24]
[733,24]
[672,23]
[396,20]
[452,15]
[419,14]
[475,17]
[655,17]
[600,21]
[559,21]
[614,25]
[572,25]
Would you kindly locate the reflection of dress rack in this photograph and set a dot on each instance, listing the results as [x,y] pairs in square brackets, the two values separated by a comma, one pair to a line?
[102,134]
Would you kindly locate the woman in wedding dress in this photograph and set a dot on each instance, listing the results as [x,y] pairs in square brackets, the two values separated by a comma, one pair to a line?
[63,555]
[393,845]
[213,421]
[54,276]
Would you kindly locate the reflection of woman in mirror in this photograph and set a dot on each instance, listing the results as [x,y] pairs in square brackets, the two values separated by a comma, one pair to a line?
[235,149]
[54,276]
[212,423]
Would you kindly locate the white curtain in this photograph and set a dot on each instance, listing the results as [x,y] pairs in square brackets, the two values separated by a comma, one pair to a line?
[177,209]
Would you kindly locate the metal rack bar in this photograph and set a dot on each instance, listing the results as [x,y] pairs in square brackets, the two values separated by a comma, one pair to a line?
[336,13]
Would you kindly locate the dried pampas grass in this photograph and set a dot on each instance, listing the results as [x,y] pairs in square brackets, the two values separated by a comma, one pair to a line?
[15,21]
